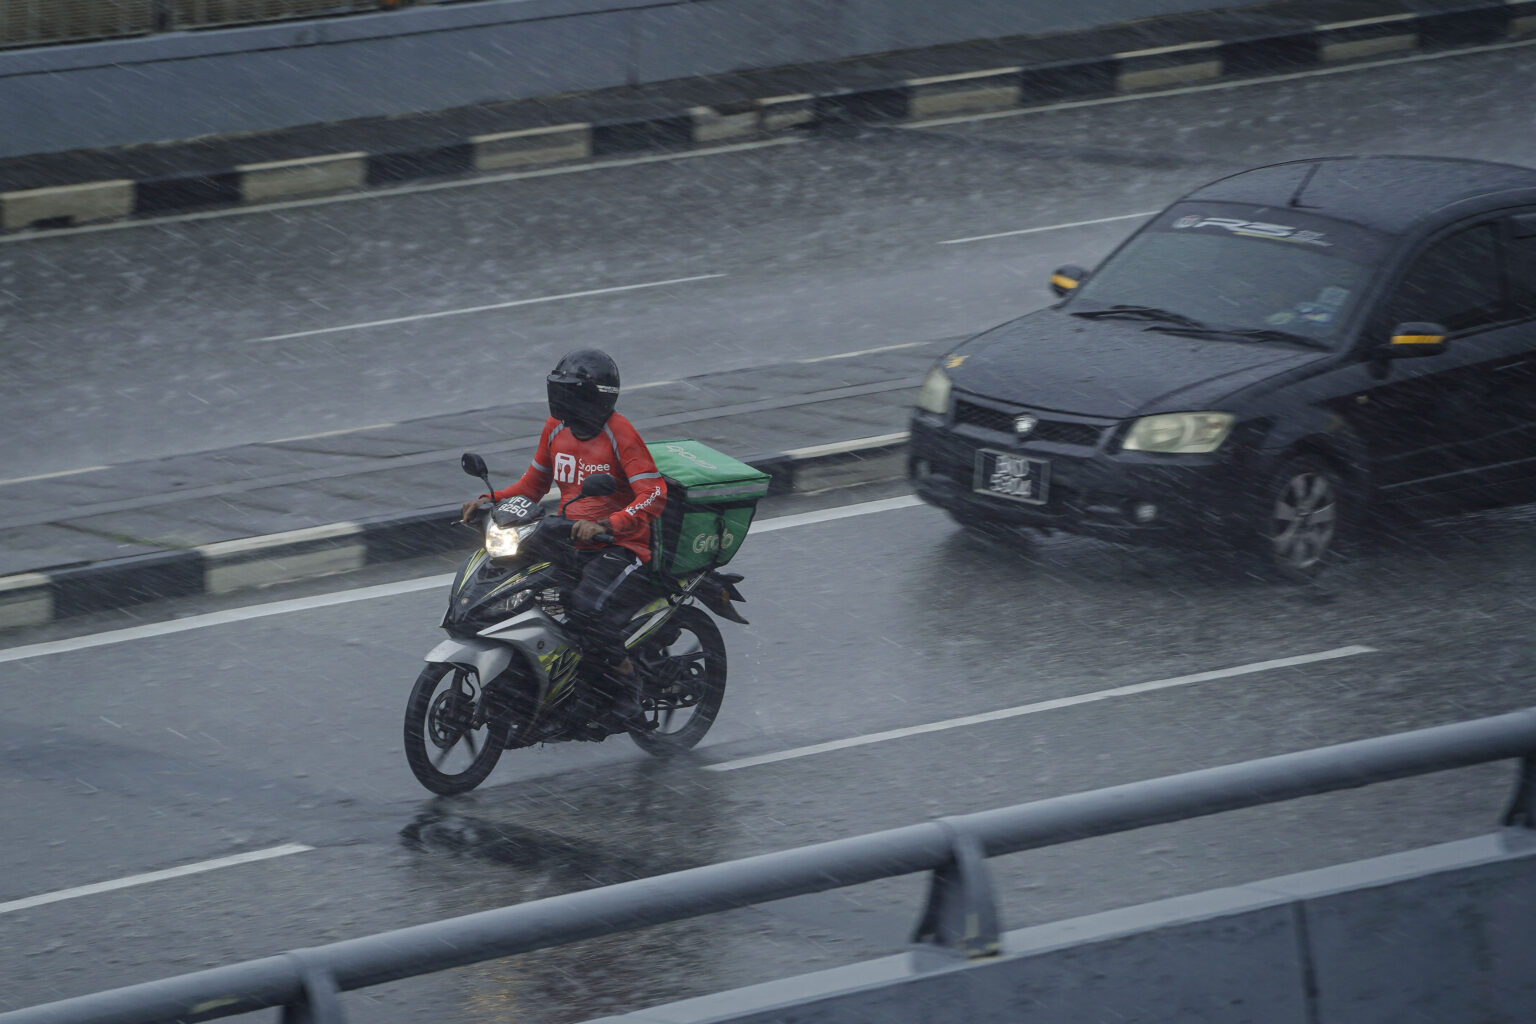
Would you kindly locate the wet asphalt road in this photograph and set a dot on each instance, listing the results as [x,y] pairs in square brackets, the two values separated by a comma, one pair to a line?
[137,756]
[181,748]
[130,343]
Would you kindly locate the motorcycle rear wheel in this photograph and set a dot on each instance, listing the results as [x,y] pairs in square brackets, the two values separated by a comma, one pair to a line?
[451,743]
[684,682]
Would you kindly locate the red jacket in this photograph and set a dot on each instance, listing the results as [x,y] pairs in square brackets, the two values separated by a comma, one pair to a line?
[616,449]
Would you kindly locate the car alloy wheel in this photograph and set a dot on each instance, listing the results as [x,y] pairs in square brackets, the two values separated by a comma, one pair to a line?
[1304,518]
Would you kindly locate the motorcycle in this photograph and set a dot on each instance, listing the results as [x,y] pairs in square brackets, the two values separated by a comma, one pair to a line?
[513,673]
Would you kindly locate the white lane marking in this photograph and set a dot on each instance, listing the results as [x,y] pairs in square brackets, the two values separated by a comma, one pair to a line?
[869,351]
[1048,227]
[300,604]
[50,476]
[191,622]
[1214,86]
[152,876]
[1035,709]
[333,433]
[827,515]
[481,309]
[403,190]
[842,447]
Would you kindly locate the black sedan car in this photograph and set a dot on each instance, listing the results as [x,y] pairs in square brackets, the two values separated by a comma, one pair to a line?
[1270,359]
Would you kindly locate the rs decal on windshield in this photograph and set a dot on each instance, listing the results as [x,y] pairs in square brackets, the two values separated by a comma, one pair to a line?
[1254,229]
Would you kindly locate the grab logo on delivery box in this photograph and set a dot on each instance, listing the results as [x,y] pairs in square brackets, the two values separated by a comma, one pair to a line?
[682,452]
[712,542]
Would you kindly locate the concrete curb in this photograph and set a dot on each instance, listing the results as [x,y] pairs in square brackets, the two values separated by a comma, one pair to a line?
[33,599]
[914,99]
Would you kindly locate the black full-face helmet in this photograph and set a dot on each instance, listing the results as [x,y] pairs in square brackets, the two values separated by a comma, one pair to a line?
[583,389]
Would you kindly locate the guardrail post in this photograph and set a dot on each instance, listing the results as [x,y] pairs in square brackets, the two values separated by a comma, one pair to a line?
[961,914]
[322,1000]
[1522,809]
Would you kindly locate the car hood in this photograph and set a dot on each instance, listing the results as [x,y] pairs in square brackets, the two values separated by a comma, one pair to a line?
[1113,368]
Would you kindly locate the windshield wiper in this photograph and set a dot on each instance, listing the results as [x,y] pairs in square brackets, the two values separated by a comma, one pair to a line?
[1143,313]
[1259,334]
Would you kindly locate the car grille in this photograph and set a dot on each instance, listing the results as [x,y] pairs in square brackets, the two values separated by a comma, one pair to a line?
[1056,431]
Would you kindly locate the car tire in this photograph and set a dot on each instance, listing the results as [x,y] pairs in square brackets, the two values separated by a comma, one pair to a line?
[1306,509]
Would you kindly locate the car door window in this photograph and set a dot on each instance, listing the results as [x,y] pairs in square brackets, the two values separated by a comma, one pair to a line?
[1455,282]
[1522,265]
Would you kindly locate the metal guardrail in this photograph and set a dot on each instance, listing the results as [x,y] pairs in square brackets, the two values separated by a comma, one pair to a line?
[47,22]
[961,913]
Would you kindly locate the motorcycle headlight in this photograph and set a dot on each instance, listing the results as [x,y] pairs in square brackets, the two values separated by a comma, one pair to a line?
[1185,433]
[934,395]
[502,542]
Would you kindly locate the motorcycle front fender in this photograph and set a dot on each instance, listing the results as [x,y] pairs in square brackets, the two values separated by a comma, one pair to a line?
[487,659]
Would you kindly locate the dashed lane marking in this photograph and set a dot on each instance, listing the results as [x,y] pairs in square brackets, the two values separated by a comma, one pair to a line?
[1048,227]
[152,876]
[415,317]
[1042,706]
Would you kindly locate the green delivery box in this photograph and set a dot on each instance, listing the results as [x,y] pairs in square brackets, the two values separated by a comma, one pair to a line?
[711,498]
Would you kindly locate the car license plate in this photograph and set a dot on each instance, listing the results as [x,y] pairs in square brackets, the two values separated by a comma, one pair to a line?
[1012,476]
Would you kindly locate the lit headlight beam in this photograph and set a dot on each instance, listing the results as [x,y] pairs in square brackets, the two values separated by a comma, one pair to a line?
[500,543]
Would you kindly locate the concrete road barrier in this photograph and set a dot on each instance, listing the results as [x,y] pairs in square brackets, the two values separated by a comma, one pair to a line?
[67,205]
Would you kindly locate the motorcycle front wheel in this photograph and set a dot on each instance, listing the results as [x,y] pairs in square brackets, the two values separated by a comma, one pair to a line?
[683,667]
[451,741]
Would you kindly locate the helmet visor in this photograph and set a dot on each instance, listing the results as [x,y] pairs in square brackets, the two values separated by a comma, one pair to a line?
[583,405]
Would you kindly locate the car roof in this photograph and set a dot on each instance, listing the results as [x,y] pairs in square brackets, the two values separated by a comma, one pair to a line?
[1386,193]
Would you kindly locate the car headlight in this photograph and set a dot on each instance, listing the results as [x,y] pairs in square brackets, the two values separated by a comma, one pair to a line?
[1186,433]
[502,542]
[934,396]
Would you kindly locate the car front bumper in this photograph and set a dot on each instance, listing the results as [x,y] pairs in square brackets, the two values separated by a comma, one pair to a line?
[1131,497]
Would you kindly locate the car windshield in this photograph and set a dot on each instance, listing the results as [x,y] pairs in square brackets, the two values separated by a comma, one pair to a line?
[1253,274]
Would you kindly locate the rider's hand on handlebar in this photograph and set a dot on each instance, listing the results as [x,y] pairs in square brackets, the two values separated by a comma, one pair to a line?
[469,508]
[584,530]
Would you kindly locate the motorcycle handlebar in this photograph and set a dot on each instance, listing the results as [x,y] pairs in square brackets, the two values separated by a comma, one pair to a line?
[599,538]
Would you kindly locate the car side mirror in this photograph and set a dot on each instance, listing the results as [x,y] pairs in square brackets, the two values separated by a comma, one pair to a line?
[1416,339]
[1067,278]
[598,485]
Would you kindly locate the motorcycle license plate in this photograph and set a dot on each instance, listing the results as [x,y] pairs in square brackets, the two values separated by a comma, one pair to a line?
[1012,476]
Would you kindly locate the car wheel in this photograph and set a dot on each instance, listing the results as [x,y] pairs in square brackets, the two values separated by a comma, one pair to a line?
[1304,516]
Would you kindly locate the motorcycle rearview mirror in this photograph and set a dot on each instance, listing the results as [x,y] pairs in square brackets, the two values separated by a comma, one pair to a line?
[598,485]
[474,465]
[595,486]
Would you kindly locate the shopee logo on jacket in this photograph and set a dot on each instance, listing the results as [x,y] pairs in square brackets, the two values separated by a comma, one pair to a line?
[570,470]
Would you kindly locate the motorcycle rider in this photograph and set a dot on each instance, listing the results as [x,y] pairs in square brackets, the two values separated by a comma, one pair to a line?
[584,435]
